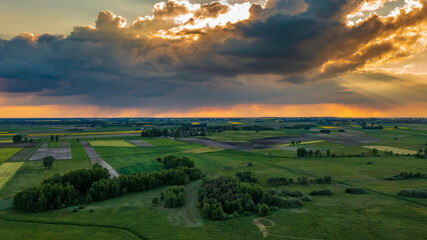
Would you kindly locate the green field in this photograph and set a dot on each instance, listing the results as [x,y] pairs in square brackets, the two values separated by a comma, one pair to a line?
[379,214]
[6,153]
[7,170]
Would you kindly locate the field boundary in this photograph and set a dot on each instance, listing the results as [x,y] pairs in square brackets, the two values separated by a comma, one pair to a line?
[78,225]
[95,158]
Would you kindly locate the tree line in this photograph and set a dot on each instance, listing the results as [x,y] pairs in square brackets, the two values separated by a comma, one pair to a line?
[300,180]
[85,186]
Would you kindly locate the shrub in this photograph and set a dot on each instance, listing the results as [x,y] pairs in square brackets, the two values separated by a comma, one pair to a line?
[417,193]
[306,198]
[355,190]
[91,210]
[155,201]
[246,177]
[250,164]
[75,210]
[325,192]
[296,194]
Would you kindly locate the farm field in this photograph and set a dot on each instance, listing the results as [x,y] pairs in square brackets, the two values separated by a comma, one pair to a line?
[381,213]
[6,153]
[7,170]
[393,149]
[111,143]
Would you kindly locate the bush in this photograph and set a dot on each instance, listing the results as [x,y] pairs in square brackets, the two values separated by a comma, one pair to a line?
[250,164]
[75,210]
[246,177]
[417,193]
[324,192]
[155,201]
[296,194]
[91,210]
[306,198]
[171,161]
[355,190]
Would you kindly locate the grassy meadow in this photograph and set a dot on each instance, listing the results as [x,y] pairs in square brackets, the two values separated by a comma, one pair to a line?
[379,214]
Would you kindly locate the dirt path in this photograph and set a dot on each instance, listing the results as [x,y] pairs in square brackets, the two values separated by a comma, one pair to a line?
[265,233]
[95,158]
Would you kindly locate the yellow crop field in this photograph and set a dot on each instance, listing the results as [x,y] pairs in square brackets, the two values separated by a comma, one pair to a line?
[111,143]
[394,149]
[235,123]
[328,127]
[6,141]
[195,123]
[7,170]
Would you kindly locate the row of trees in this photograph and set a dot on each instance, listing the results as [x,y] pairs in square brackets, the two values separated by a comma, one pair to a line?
[226,197]
[19,139]
[406,175]
[302,152]
[85,186]
[300,180]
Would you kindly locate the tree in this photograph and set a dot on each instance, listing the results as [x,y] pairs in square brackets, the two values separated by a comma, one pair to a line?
[301,152]
[17,139]
[317,153]
[56,138]
[328,153]
[48,161]
[374,152]
[51,138]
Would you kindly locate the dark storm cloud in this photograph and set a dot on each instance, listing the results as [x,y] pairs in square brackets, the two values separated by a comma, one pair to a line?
[296,41]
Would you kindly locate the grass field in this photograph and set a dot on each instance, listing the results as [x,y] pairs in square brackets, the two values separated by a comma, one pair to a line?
[32,173]
[6,153]
[379,214]
[7,170]
[6,141]
[244,136]
[111,143]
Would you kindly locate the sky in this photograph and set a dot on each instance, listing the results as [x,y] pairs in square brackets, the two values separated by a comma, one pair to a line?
[229,58]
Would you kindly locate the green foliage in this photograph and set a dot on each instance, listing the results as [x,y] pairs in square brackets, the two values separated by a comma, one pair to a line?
[96,165]
[301,180]
[355,190]
[17,139]
[48,161]
[306,198]
[406,175]
[155,201]
[171,161]
[175,197]
[230,196]
[92,185]
[246,177]
[416,193]
[325,192]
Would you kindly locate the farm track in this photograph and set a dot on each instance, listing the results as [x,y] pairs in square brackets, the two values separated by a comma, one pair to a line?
[95,158]
[129,230]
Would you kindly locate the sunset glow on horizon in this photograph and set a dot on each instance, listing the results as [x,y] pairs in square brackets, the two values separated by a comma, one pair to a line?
[275,58]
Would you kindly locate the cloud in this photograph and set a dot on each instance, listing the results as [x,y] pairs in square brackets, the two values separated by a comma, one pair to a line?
[217,54]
